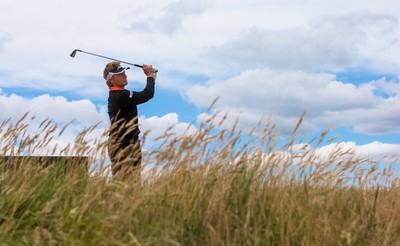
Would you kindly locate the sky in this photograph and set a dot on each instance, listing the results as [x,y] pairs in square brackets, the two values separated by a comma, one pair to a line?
[336,61]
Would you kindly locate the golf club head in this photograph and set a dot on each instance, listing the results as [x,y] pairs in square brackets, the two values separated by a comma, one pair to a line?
[74,53]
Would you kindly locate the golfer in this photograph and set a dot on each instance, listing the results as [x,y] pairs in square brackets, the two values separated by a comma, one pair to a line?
[123,144]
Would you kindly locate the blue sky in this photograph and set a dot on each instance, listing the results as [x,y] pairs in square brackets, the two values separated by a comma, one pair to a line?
[338,61]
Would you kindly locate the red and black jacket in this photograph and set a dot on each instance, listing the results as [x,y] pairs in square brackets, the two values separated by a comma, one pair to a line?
[123,113]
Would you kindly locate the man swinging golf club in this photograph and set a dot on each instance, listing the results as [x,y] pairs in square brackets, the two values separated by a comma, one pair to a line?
[124,145]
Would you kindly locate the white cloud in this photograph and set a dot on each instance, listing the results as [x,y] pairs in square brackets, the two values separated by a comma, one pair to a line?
[328,103]
[57,111]
[376,150]
[43,35]
[57,108]
[171,18]
[343,161]
[332,43]
[340,152]
[4,38]
[155,127]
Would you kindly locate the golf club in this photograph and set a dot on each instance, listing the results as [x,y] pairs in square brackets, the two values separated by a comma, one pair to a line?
[76,50]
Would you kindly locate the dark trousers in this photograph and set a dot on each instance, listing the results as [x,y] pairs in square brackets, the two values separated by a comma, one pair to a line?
[126,156]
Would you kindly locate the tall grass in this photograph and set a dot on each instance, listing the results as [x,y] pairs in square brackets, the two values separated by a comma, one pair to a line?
[210,187]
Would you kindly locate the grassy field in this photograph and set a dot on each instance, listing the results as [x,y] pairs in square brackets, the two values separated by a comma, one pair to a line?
[206,188]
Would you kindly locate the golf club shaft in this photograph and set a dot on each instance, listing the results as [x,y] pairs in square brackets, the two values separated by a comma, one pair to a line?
[110,58]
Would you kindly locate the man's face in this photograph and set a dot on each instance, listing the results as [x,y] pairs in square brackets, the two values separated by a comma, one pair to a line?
[119,80]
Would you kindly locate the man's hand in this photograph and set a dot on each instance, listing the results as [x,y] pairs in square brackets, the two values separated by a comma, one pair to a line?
[149,71]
